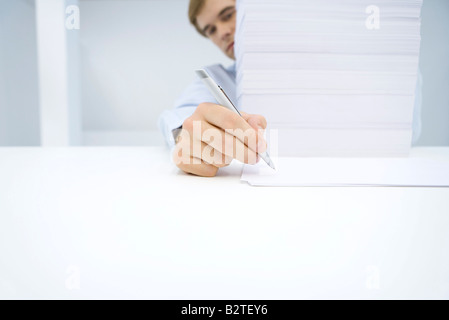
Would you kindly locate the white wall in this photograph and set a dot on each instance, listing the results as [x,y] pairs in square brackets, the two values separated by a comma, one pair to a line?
[19,108]
[3,129]
[74,81]
[435,69]
[137,57]
[58,53]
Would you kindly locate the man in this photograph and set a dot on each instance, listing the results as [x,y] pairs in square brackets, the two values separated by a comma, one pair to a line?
[196,108]
[214,19]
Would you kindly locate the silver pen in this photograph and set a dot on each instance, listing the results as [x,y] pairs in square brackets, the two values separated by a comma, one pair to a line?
[224,100]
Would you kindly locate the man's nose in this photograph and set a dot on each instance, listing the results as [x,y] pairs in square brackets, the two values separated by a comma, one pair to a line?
[225,30]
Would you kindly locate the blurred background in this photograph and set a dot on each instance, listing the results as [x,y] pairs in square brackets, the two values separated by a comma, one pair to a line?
[105,80]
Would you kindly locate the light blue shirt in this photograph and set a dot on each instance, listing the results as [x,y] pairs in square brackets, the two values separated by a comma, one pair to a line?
[197,93]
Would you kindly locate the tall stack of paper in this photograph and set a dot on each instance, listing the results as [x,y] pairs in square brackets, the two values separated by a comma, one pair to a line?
[335,78]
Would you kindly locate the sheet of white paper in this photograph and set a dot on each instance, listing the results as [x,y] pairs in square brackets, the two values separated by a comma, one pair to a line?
[407,172]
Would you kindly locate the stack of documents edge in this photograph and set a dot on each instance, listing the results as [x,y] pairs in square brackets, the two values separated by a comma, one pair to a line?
[333,78]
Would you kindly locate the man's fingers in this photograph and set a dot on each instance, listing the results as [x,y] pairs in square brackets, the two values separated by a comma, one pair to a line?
[214,146]
[222,117]
[227,144]
[244,115]
[187,148]
[211,155]
[233,123]
[202,169]
[256,121]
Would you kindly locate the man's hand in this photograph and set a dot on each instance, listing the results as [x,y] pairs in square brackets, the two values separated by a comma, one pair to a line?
[213,136]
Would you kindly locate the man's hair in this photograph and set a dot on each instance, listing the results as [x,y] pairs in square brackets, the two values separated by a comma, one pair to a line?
[195,7]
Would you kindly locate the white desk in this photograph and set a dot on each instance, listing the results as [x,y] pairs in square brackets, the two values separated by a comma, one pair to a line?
[125,223]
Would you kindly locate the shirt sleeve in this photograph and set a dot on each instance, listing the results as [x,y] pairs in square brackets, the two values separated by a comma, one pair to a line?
[185,106]
[417,126]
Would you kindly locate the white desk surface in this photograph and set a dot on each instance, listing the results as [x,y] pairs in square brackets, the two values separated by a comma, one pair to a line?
[126,223]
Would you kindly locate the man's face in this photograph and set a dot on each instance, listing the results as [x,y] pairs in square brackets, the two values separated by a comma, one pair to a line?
[217,20]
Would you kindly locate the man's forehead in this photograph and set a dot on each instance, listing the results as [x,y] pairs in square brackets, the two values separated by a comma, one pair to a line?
[211,11]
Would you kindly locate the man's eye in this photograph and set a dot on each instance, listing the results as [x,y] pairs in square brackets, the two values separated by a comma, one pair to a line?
[228,16]
[211,31]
